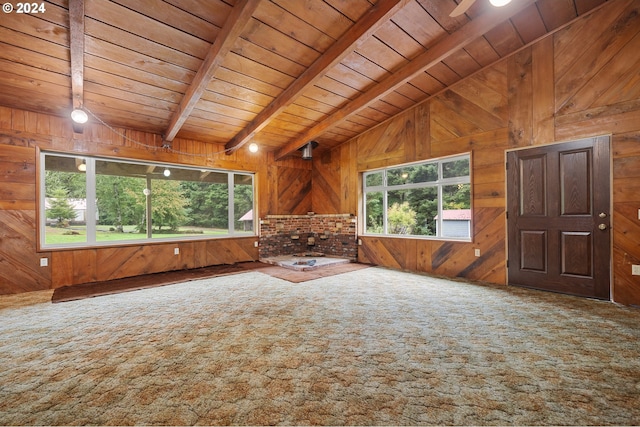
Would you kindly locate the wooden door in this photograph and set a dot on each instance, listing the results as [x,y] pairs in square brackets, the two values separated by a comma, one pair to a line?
[558,217]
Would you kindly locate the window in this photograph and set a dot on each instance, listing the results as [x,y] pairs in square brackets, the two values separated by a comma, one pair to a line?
[429,199]
[98,201]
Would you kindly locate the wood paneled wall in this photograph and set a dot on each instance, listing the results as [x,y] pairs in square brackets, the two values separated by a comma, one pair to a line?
[282,187]
[581,81]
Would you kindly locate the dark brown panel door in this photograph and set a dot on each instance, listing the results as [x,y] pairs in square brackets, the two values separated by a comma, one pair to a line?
[558,217]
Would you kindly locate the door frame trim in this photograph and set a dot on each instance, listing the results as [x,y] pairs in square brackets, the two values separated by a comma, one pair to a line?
[611,219]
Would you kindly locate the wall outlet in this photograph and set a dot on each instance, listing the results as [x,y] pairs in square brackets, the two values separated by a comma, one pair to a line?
[359,242]
[44,262]
[635,270]
[476,252]
[255,244]
[176,251]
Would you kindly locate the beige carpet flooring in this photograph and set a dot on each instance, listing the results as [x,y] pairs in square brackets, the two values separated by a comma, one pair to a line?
[127,284]
[367,347]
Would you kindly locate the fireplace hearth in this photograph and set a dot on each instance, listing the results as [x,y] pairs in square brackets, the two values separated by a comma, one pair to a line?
[298,263]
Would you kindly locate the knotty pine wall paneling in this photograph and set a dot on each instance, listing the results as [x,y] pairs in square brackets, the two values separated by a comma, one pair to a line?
[578,82]
[294,190]
[597,91]
[20,269]
[22,132]
[327,183]
[626,225]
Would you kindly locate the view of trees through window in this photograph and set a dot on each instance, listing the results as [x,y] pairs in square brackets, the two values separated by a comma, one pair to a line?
[133,201]
[426,199]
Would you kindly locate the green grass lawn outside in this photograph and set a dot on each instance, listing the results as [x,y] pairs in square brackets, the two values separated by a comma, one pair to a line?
[61,236]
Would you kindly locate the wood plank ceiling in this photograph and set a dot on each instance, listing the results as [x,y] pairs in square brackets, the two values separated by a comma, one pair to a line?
[275,72]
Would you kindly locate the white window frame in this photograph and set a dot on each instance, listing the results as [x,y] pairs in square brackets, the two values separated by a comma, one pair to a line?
[439,184]
[90,175]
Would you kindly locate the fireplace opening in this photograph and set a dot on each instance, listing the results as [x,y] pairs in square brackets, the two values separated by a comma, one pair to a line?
[308,254]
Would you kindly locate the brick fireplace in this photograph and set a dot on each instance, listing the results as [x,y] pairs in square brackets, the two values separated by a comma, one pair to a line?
[330,234]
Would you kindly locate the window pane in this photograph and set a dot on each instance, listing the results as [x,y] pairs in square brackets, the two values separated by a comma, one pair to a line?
[412,212]
[169,210]
[456,212]
[207,193]
[243,203]
[397,176]
[457,196]
[425,173]
[401,218]
[190,203]
[413,174]
[455,168]
[374,220]
[121,201]
[424,201]
[65,200]
[373,179]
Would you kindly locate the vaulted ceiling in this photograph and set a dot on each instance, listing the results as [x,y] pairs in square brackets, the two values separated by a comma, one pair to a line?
[276,72]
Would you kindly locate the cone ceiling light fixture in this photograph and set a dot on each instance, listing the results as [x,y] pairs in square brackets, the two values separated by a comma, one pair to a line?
[307,149]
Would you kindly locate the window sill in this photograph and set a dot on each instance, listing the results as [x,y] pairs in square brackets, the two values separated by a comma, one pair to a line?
[144,242]
[433,238]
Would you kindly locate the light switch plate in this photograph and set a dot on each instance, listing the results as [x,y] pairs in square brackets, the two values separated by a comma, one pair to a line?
[44,262]
[176,251]
[635,270]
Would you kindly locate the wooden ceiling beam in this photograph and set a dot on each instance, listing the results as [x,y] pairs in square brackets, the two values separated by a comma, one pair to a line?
[76,48]
[231,30]
[447,46]
[364,28]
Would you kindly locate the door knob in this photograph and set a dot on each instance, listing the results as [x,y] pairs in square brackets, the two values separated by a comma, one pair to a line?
[602,226]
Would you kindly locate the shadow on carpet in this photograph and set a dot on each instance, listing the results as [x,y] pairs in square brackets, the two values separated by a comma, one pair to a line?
[94,289]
